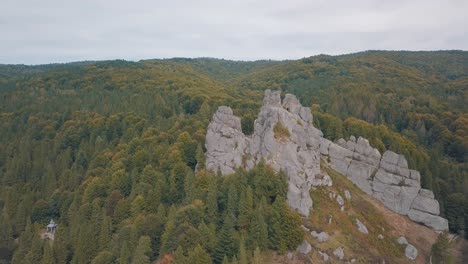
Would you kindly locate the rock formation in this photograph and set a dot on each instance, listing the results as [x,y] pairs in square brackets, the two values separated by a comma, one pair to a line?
[296,152]
[286,139]
[386,177]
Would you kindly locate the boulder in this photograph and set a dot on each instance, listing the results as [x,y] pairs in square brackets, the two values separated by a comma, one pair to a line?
[402,241]
[347,195]
[324,256]
[339,200]
[321,237]
[361,227]
[436,222]
[411,252]
[339,253]
[304,248]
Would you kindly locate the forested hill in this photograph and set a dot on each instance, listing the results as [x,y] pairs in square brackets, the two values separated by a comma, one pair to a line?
[108,149]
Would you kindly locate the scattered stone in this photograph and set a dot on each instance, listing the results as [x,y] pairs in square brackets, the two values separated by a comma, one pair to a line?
[304,248]
[340,200]
[324,256]
[361,227]
[289,255]
[402,241]
[411,252]
[339,253]
[380,236]
[305,228]
[330,219]
[347,195]
[321,237]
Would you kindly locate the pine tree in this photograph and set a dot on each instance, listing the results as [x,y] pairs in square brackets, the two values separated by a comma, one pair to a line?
[36,252]
[105,232]
[212,203]
[60,246]
[140,256]
[226,241]
[199,256]
[258,233]
[200,157]
[233,201]
[257,257]
[48,256]
[179,257]
[440,251]
[124,253]
[245,208]
[104,257]
[208,235]
[242,253]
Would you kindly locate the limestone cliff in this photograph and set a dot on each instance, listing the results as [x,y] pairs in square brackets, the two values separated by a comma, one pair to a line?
[296,151]
[286,139]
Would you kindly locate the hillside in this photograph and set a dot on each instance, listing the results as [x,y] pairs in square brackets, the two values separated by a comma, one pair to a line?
[109,149]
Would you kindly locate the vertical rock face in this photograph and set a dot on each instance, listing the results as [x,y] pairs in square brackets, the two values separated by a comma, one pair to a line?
[386,177]
[295,152]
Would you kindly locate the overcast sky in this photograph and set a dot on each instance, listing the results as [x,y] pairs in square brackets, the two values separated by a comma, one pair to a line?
[46,31]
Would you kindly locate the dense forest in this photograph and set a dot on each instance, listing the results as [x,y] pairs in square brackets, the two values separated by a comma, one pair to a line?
[113,150]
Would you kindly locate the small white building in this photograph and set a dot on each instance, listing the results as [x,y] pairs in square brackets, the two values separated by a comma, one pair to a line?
[51,227]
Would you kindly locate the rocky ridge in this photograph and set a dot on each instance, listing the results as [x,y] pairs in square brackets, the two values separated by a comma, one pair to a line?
[298,152]
[386,177]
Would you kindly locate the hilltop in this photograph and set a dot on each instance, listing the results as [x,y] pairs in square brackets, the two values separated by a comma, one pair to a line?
[113,152]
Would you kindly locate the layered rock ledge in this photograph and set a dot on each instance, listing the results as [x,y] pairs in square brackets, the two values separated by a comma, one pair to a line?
[385,177]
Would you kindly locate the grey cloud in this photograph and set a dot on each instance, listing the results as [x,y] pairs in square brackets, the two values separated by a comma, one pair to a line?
[60,31]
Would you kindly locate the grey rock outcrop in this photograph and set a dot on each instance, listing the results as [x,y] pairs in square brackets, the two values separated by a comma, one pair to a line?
[304,248]
[411,252]
[321,237]
[324,256]
[347,195]
[339,253]
[361,227]
[297,154]
[386,177]
[402,241]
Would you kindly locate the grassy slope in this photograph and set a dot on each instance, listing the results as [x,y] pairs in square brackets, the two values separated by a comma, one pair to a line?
[378,220]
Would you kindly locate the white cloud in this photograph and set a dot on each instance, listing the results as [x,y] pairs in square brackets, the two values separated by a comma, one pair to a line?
[60,31]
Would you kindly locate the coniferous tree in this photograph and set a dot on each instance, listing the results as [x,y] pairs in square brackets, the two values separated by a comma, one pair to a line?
[258,233]
[140,256]
[179,257]
[226,246]
[245,208]
[48,256]
[124,253]
[199,256]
